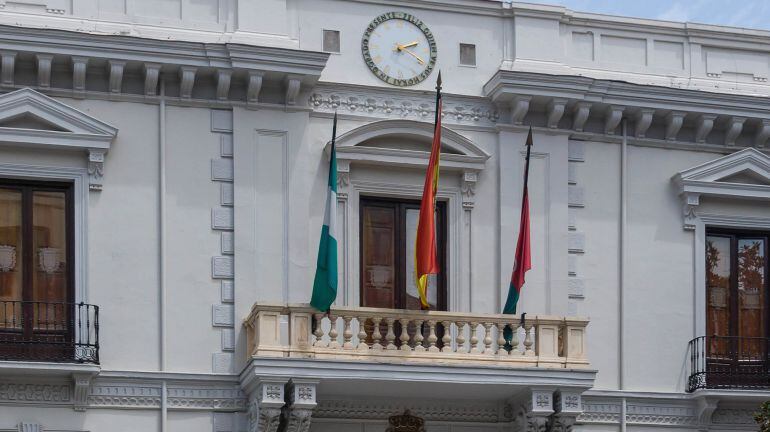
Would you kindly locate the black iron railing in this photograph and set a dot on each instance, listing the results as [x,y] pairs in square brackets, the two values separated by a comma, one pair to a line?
[55,332]
[729,362]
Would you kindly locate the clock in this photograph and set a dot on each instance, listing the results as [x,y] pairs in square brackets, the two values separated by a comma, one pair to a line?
[399,49]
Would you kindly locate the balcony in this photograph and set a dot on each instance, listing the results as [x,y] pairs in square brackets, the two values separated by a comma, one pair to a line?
[729,362]
[49,332]
[405,336]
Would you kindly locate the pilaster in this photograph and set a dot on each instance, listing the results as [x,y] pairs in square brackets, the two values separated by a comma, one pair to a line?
[300,402]
[265,405]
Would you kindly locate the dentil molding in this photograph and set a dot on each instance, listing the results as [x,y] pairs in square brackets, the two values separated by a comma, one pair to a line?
[401,104]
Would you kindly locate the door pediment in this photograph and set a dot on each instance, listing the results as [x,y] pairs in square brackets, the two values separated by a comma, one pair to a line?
[742,175]
[31,119]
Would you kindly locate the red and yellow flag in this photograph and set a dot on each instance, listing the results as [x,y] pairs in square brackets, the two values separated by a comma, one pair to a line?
[426,261]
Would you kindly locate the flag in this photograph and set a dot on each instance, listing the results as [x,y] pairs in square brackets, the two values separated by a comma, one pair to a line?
[523,258]
[325,283]
[426,262]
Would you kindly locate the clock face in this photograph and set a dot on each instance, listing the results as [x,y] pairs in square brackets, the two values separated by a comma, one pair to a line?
[399,49]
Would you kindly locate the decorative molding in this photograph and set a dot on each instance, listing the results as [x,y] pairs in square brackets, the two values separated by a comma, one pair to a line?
[95,169]
[70,129]
[298,413]
[612,118]
[198,396]
[762,134]
[82,384]
[555,111]
[79,69]
[44,62]
[377,409]
[30,427]
[643,122]
[186,81]
[223,83]
[734,416]
[405,422]
[580,115]
[734,128]
[151,75]
[402,104]
[468,188]
[293,85]
[703,127]
[351,146]
[265,404]
[674,120]
[254,87]
[8,60]
[43,393]
[708,179]
[115,69]
[519,109]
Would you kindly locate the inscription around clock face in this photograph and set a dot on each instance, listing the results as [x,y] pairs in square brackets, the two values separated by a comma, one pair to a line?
[399,49]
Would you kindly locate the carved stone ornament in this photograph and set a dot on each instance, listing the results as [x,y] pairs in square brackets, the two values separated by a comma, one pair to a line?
[264,419]
[405,422]
[298,420]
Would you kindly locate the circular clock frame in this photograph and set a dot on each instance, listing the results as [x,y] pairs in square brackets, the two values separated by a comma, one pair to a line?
[379,73]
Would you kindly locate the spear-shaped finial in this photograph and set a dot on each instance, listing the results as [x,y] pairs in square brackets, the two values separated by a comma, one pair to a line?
[438,82]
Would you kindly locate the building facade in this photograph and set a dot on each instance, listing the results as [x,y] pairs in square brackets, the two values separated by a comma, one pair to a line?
[163,174]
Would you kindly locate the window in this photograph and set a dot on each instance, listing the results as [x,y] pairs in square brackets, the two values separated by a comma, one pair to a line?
[737,304]
[36,259]
[331,42]
[388,231]
[467,54]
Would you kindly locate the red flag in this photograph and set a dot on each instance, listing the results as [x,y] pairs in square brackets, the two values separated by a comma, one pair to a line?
[523,258]
[426,262]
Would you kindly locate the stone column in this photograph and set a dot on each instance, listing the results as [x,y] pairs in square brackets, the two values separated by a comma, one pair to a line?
[567,406]
[533,413]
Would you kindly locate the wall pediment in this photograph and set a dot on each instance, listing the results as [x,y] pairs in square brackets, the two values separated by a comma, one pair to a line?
[31,119]
[742,175]
[369,144]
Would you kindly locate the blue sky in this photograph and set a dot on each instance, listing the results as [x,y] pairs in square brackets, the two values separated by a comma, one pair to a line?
[734,13]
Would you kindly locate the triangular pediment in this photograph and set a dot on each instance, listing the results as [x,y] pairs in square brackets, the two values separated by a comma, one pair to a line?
[744,174]
[749,165]
[31,110]
[746,177]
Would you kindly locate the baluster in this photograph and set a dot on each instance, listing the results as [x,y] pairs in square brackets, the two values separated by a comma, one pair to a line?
[404,338]
[528,339]
[418,337]
[474,338]
[432,338]
[347,333]
[488,338]
[333,342]
[446,338]
[461,337]
[390,337]
[501,351]
[515,340]
[319,332]
[376,334]
[362,345]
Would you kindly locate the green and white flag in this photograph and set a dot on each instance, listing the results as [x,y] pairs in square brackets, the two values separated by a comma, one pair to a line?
[325,284]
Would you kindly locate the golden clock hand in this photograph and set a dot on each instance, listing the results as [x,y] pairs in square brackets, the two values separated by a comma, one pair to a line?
[410,44]
[419,60]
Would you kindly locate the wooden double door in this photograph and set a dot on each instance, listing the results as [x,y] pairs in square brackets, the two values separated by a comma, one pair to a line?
[737,324]
[388,232]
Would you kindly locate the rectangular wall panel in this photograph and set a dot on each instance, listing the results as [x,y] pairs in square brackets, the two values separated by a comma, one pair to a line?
[270,184]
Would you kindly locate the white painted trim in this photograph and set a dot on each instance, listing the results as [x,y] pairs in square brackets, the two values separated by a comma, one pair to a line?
[78,176]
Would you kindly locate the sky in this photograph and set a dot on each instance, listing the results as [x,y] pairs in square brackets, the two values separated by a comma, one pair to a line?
[735,13]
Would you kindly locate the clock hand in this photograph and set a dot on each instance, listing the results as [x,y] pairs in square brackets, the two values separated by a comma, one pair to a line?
[410,44]
[419,60]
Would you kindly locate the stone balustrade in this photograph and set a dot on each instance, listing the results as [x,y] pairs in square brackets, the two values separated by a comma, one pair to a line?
[398,336]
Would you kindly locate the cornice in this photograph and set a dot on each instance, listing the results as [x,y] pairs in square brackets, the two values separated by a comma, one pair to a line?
[469,7]
[434,410]
[382,103]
